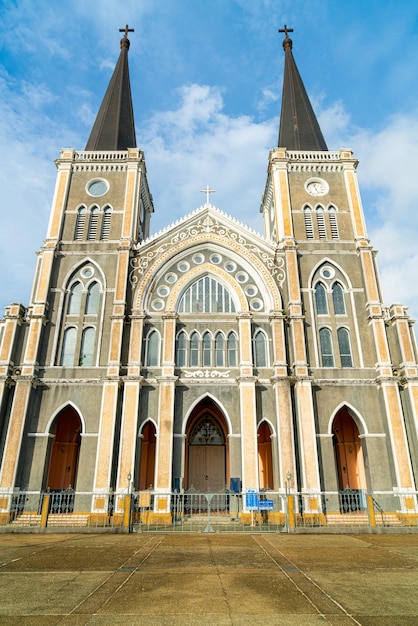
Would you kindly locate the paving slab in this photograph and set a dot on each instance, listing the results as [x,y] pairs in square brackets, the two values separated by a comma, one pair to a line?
[234,579]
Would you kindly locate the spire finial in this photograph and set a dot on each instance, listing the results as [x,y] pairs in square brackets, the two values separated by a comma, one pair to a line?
[124,42]
[287,42]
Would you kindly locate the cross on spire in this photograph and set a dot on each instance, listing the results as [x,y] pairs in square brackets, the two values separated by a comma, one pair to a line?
[207,191]
[286,31]
[126,30]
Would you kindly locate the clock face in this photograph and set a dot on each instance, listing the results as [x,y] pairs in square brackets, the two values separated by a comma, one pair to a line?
[97,187]
[317,187]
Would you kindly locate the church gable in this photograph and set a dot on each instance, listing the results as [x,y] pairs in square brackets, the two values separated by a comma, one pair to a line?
[207,243]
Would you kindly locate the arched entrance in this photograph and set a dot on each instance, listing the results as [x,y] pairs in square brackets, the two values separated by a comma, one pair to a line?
[265,459]
[147,466]
[206,460]
[63,462]
[349,460]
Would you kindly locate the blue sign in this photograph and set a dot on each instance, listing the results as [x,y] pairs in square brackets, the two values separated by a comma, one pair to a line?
[265,505]
[251,500]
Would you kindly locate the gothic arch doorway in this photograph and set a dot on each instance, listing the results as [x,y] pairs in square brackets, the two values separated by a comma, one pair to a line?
[62,471]
[265,458]
[206,449]
[147,465]
[348,452]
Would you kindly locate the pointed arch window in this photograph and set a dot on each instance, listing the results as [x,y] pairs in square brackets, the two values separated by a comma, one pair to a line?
[321,302]
[74,299]
[80,223]
[152,358]
[219,350]
[207,349]
[181,349]
[307,214]
[82,313]
[68,347]
[338,299]
[320,217]
[327,354]
[232,350]
[93,221]
[194,350]
[332,212]
[92,299]
[107,217]
[206,295]
[344,347]
[260,349]
[88,338]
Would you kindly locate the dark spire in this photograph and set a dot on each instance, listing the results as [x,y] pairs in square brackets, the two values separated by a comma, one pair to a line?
[114,128]
[299,128]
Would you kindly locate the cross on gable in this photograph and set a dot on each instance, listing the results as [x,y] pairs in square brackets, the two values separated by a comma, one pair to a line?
[126,30]
[286,31]
[207,191]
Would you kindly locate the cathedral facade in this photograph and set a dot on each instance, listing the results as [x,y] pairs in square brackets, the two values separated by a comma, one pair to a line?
[207,356]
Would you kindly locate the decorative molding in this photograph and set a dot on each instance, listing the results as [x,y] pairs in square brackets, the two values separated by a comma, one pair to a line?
[99,167]
[207,374]
[314,167]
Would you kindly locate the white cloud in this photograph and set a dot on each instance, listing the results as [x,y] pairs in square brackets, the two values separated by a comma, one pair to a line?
[197,144]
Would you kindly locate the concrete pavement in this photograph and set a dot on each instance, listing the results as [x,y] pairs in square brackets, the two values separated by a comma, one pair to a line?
[291,580]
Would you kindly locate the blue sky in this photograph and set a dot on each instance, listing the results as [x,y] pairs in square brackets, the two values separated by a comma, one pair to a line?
[206,81]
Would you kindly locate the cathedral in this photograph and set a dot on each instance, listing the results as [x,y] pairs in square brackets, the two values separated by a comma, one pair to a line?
[207,357]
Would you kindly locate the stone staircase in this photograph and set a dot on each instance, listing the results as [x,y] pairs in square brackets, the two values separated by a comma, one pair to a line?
[55,520]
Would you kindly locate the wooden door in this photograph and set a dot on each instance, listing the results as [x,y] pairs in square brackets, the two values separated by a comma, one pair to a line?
[207,468]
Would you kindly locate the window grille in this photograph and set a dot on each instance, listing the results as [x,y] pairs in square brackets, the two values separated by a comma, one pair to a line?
[333,222]
[107,216]
[321,223]
[93,221]
[80,223]
[307,213]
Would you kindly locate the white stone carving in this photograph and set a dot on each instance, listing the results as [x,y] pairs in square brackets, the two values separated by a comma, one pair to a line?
[207,374]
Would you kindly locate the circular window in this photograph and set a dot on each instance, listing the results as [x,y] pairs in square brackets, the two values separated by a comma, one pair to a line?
[97,187]
[87,272]
[242,277]
[230,266]
[256,304]
[171,278]
[183,266]
[251,290]
[157,305]
[216,259]
[163,291]
[198,258]
[327,272]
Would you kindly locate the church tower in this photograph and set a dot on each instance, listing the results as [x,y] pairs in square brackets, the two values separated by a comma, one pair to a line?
[63,402]
[344,346]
